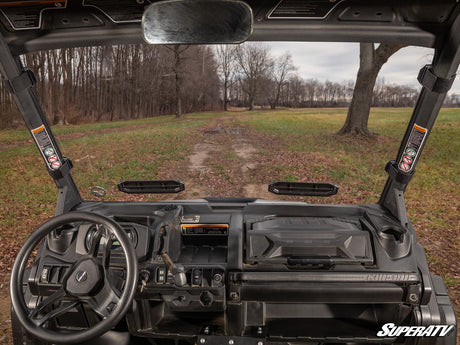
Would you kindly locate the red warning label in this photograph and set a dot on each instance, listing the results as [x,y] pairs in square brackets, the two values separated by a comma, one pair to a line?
[55,165]
[52,158]
[407,159]
[404,166]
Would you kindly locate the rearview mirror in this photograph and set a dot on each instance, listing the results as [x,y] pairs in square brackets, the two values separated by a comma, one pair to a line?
[197,22]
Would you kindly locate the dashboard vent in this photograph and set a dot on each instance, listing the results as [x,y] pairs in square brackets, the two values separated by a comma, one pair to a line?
[317,9]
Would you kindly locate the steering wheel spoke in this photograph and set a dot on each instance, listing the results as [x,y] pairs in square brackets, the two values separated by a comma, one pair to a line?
[104,303]
[53,298]
[62,309]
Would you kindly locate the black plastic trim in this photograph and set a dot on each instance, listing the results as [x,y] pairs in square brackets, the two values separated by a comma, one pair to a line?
[22,82]
[427,78]
[396,174]
[335,277]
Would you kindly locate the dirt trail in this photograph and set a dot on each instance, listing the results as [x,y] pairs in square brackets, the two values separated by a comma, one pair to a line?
[247,151]
[223,163]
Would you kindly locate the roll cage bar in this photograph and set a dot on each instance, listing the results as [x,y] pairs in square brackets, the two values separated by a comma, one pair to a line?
[436,80]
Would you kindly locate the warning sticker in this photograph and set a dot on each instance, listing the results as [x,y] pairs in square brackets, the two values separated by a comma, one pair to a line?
[407,159]
[55,165]
[404,166]
[410,154]
[46,147]
[49,151]
[52,158]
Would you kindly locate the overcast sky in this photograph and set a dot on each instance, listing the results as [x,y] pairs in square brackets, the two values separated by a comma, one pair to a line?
[340,61]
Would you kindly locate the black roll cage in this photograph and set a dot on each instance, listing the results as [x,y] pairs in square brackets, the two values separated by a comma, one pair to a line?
[435,78]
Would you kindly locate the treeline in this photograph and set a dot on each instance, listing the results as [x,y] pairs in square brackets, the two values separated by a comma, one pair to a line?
[119,82]
[254,76]
[126,82]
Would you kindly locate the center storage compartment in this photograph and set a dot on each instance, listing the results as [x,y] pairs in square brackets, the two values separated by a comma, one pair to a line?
[307,241]
[204,243]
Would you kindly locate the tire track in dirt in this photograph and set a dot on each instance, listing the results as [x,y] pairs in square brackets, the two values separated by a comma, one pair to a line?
[197,166]
[222,163]
[246,151]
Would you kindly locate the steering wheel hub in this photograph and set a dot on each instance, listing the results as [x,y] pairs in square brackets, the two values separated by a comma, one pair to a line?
[85,279]
[81,276]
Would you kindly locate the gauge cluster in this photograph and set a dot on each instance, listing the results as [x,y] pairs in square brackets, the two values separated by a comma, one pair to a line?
[138,234]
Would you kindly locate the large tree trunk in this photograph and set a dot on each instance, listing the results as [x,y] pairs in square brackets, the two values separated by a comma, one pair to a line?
[178,50]
[178,96]
[251,103]
[277,97]
[225,95]
[370,62]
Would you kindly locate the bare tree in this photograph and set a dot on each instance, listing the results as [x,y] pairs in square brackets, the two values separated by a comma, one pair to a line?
[226,57]
[295,94]
[178,50]
[312,88]
[371,61]
[282,66]
[254,61]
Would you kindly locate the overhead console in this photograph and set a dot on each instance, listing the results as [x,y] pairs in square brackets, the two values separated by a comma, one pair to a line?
[317,9]
[29,25]
[120,11]
[29,14]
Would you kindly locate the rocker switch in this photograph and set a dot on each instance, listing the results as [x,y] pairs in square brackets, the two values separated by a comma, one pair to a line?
[54,274]
[44,276]
[161,275]
[197,277]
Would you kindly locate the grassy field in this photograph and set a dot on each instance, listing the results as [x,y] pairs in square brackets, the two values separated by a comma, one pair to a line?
[298,145]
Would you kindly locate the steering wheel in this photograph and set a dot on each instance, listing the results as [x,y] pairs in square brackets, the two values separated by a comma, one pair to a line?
[86,282]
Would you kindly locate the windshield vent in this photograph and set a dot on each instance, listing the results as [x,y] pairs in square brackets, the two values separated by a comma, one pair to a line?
[316,9]
[302,188]
[154,187]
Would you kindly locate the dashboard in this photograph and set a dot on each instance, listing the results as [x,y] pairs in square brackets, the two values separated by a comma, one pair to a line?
[245,267]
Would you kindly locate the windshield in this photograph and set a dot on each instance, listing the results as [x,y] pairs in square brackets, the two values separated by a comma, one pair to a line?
[140,112]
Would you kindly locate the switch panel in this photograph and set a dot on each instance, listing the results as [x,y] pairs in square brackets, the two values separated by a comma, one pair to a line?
[161,275]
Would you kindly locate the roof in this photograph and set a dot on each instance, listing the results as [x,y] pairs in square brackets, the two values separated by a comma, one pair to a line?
[37,25]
